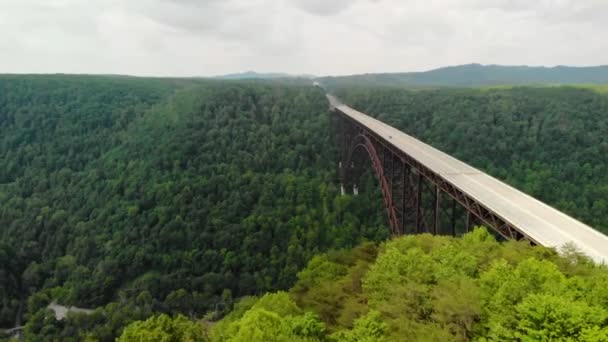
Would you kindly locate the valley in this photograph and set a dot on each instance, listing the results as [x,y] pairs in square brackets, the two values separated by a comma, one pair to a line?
[219,201]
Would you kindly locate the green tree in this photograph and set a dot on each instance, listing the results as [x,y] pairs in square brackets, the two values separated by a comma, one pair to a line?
[369,328]
[164,328]
[544,317]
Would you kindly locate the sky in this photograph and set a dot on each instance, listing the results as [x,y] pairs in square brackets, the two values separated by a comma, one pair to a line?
[320,37]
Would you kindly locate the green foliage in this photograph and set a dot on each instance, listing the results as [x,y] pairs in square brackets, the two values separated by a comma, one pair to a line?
[194,192]
[279,303]
[146,196]
[164,328]
[274,317]
[331,285]
[549,317]
[369,328]
[549,142]
[434,288]
[10,269]
[104,324]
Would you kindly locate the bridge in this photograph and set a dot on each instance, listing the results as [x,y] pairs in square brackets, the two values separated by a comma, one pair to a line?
[426,190]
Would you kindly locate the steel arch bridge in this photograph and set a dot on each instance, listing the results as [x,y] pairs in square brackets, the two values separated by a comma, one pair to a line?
[426,190]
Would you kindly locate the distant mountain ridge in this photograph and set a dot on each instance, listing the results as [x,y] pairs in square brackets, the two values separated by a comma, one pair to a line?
[250,75]
[477,75]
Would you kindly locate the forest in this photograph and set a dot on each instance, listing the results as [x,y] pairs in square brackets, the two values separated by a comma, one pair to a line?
[164,203]
[404,290]
[180,194]
[551,143]
[429,288]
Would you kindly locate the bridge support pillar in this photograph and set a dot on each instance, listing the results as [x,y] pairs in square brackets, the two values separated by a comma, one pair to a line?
[437,210]
[453,223]
[419,204]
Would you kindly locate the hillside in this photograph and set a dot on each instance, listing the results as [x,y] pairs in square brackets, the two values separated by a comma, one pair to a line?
[142,197]
[425,288]
[188,194]
[252,75]
[474,75]
[551,143]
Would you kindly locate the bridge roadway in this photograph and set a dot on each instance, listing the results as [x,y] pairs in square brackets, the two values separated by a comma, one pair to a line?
[538,221]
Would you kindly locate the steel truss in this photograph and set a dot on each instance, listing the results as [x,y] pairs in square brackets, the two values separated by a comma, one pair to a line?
[415,196]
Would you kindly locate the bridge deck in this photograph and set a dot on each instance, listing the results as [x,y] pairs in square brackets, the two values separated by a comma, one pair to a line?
[542,223]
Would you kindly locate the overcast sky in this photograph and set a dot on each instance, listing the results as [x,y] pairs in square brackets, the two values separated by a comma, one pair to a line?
[211,37]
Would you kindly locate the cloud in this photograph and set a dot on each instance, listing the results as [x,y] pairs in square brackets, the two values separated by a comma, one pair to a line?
[556,11]
[324,7]
[209,37]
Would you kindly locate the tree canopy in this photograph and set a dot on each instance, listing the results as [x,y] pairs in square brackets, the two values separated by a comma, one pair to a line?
[436,288]
[551,143]
[141,196]
[147,199]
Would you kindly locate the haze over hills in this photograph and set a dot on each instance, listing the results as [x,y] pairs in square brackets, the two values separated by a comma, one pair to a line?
[476,75]
[252,75]
[468,75]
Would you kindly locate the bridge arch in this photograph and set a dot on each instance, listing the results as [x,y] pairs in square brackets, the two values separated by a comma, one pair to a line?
[361,142]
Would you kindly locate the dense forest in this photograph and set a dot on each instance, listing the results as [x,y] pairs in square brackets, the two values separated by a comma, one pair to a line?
[161,202]
[180,195]
[430,288]
[417,288]
[551,143]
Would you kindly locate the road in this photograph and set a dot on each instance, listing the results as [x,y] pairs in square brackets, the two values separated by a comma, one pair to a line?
[61,311]
[542,223]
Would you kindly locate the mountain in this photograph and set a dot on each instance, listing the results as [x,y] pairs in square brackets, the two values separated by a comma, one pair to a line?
[476,75]
[186,192]
[147,197]
[252,75]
